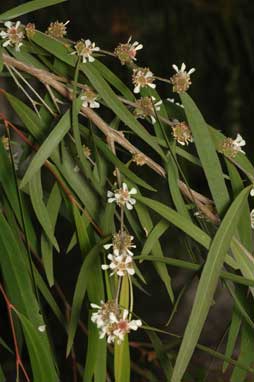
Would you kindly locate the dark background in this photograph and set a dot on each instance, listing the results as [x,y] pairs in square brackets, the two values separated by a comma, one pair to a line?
[214,36]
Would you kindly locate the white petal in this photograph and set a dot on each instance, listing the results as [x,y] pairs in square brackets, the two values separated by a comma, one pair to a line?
[136,89]
[105,267]
[111,200]
[183,67]
[192,70]
[153,86]
[133,191]
[175,67]
[124,187]
[8,24]
[91,59]
[88,43]
[96,105]
[107,246]
[129,206]
[252,192]
[95,306]
[6,43]
[131,271]
[125,314]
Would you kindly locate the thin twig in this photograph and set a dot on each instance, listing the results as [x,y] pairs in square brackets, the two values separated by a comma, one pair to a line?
[10,307]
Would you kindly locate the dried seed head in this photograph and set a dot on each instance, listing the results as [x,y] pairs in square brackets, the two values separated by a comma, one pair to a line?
[57,29]
[30,30]
[86,151]
[181,132]
[230,147]
[141,78]
[139,159]
[181,80]
[126,53]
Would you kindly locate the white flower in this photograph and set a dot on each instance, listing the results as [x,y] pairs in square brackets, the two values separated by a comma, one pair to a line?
[122,242]
[85,50]
[122,196]
[142,77]
[252,192]
[121,265]
[124,326]
[112,323]
[181,80]
[89,98]
[238,143]
[172,100]
[181,132]
[13,36]
[127,52]
[252,219]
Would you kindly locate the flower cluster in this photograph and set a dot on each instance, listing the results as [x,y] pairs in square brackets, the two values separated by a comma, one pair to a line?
[181,79]
[13,35]
[141,78]
[57,29]
[89,98]
[122,197]
[127,52]
[113,323]
[121,262]
[85,49]
[145,107]
[230,147]
[181,132]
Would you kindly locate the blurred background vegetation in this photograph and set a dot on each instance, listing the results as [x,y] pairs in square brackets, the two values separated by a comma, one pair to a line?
[214,36]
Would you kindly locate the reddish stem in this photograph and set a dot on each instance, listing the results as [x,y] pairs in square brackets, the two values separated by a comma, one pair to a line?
[10,307]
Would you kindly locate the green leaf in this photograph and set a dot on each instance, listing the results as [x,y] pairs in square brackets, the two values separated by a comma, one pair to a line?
[232,336]
[207,284]
[39,354]
[27,8]
[246,354]
[178,220]
[16,274]
[207,154]
[47,147]
[121,166]
[161,354]
[53,206]
[147,225]
[153,236]
[27,116]
[121,351]
[92,350]
[36,194]
[80,291]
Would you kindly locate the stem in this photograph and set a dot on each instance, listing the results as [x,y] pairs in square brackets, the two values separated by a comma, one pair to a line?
[19,364]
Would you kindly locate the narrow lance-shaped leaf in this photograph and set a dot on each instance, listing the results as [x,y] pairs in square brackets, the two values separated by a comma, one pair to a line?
[207,285]
[48,146]
[28,7]
[207,153]
[80,291]
[36,194]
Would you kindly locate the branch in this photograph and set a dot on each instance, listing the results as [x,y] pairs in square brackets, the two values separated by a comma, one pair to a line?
[57,82]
